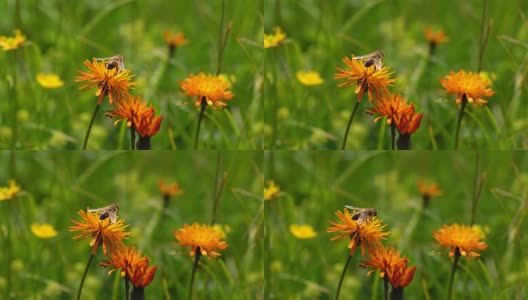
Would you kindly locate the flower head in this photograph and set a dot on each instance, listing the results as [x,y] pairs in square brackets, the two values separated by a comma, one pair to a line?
[133,266]
[101,232]
[174,189]
[368,234]
[398,112]
[391,265]
[302,231]
[468,86]
[368,79]
[49,81]
[429,191]
[202,239]
[8,43]
[137,113]
[309,78]
[175,40]
[209,88]
[466,239]
[10,191]
[275,39]
[437,37]
[43,231]
[112,82]
[271,191]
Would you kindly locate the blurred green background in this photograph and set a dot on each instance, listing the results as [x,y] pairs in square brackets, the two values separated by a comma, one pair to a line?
[321,33]
[56,185]
[327,181]
[62,34]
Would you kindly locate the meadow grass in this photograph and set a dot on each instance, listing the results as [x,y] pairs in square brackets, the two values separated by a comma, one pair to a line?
[61,35]
[321,33]
[56,185]
[310,268]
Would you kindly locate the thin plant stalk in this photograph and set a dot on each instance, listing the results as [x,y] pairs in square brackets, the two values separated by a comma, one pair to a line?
[132,137]
[127,288]
[455,262]
[84,276]
[203,105]
[348,125]
[393,135]
[385,287]
[218,194]
[267,250]
[349,258]
[197,255]
[460,115]
[90,127]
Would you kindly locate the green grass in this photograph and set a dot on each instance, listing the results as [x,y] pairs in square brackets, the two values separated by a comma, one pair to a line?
[62,34]
[321,33]
[56,185]
[310,269]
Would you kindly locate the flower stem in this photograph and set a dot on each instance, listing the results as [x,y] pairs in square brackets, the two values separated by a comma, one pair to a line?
[218,194]
[197,255]
[462,107]
[90,126]
[132,138]
[393,136]
[127,288]
[349,258]
[84,275]
[348,125]
[455,262]
[385,287]
[203,105]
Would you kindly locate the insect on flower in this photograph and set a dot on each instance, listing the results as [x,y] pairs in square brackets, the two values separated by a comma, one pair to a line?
[116,61]
[375,58]
[109,211]
[362,214]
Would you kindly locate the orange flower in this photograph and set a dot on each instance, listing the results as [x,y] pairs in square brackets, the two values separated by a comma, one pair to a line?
[367,79]
[202,239]
[102,232]
[133,266]
[173,189]
[468,86]
[437,37]
[432,190]
[112,82]
[398,112]
[390,264]
[368,234]
[175,40]
[209,88]
[466,239]
[137,113]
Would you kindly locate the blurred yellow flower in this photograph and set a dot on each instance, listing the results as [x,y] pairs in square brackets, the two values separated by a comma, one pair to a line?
[12,42]
[309,78]
[274,40]
[43,231]
[302,231]
[49,81]
[9,191]
[272,191]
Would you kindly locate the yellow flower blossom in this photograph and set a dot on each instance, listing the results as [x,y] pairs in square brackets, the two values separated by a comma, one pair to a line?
[309,77]
[49,81]
[302,231]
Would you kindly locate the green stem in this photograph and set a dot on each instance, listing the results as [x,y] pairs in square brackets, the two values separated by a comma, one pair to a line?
[220,39]
[393,136]
[217,195]
[267,250]
[460,115]
[132,138]
[349,258]
[197,255]
[386,287]
[203,105]
[348,125]
[455,262]
[127,287]
[84,276]
[90,127]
